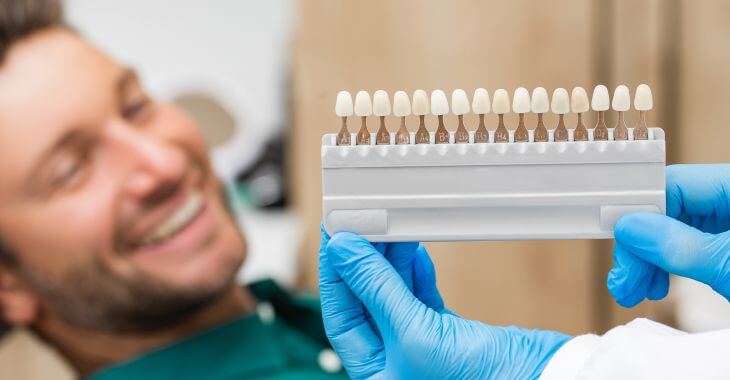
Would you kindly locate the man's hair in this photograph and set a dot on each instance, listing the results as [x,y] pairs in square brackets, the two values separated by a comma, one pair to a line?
[18,20]
[21,18]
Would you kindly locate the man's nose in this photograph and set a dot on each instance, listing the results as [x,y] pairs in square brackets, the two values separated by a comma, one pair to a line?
[154,164]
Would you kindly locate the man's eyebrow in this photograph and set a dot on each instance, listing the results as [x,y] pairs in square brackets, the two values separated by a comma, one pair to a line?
[127,77]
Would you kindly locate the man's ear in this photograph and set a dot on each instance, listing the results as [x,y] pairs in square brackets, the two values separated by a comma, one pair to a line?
[18,305]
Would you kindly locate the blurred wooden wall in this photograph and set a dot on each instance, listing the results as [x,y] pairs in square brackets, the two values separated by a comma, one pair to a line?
[394,45]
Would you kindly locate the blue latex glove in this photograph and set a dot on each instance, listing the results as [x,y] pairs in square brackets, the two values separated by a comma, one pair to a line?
[691,241]
[385,318]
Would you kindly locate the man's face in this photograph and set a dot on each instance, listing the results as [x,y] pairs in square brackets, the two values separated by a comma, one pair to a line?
[106,197]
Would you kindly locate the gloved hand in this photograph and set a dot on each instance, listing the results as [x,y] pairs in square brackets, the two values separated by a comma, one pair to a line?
[385,318]
[691,241]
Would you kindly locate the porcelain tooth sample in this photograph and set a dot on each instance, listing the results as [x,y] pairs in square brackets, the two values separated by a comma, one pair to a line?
[421,108]
[381,109]
[440,107]
[621,103]
[600,103]
[521,106]
[459,107]
[500,106]
[363,108]
[480,106]
[579,104]
[539,105]
[402,108]
[643,101]
[560,106]
[343,109]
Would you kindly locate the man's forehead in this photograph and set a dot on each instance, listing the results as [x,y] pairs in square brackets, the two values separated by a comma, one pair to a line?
[49,83]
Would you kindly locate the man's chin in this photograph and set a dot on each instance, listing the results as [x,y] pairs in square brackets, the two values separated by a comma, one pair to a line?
[211,268]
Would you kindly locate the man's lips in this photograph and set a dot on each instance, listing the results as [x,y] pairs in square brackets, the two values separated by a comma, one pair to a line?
[177,220]
[160,221]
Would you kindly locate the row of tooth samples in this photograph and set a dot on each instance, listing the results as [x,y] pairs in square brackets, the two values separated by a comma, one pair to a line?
[522,103]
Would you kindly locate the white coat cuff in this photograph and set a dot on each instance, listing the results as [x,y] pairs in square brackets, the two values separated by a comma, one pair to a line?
[570,358]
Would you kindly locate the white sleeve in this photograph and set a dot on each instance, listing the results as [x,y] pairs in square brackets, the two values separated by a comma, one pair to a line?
[643,349]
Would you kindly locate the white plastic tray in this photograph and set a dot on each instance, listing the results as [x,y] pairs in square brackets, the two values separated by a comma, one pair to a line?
[490,191]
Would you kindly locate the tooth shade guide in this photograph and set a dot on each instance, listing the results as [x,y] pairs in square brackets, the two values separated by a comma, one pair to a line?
[481,135]
[343,137]
[600,133]
[490,192]
[422,135]
[501,134]
[561,132]
[620,131]
[442,135]
[541,132]
[521,134]
[382,137]
[363,135]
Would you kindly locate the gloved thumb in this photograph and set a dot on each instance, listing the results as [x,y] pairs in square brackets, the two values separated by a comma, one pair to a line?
[375,282]
[676,247]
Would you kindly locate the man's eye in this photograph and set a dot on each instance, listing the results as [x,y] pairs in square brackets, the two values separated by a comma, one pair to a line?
[68,172]
[135,109]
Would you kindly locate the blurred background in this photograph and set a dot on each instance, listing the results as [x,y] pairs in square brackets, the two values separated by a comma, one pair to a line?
[261,79]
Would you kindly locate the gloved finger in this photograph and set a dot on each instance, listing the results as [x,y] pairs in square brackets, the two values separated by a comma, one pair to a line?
[629,279]
[424,281]
[698,195]
[359,347]
[324,239]
[401,256]
[673,246]
[659,287]
[375,282]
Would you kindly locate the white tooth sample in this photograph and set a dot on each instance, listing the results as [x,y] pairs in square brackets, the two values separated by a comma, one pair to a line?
[363,106]
[560,104]
[343,105]
[401,104]
[521,101]
[500,102]
[600,101]
[439,104]
[579,100]
[381,103]
[480,103]
[420,103]
[459,102]
[540,102]
[621,99]
[643,101]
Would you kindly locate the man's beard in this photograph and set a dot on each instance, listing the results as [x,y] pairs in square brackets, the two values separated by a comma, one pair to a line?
[93,297]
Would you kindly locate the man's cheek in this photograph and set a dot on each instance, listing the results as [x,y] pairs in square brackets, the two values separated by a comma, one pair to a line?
[74,230]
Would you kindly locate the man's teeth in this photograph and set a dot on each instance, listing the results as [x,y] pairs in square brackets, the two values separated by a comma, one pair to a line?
[178,220]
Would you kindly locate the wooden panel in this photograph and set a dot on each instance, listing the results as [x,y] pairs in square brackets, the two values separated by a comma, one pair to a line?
[456,44]
[704,81]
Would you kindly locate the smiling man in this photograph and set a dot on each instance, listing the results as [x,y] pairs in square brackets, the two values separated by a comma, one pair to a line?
[116,246]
